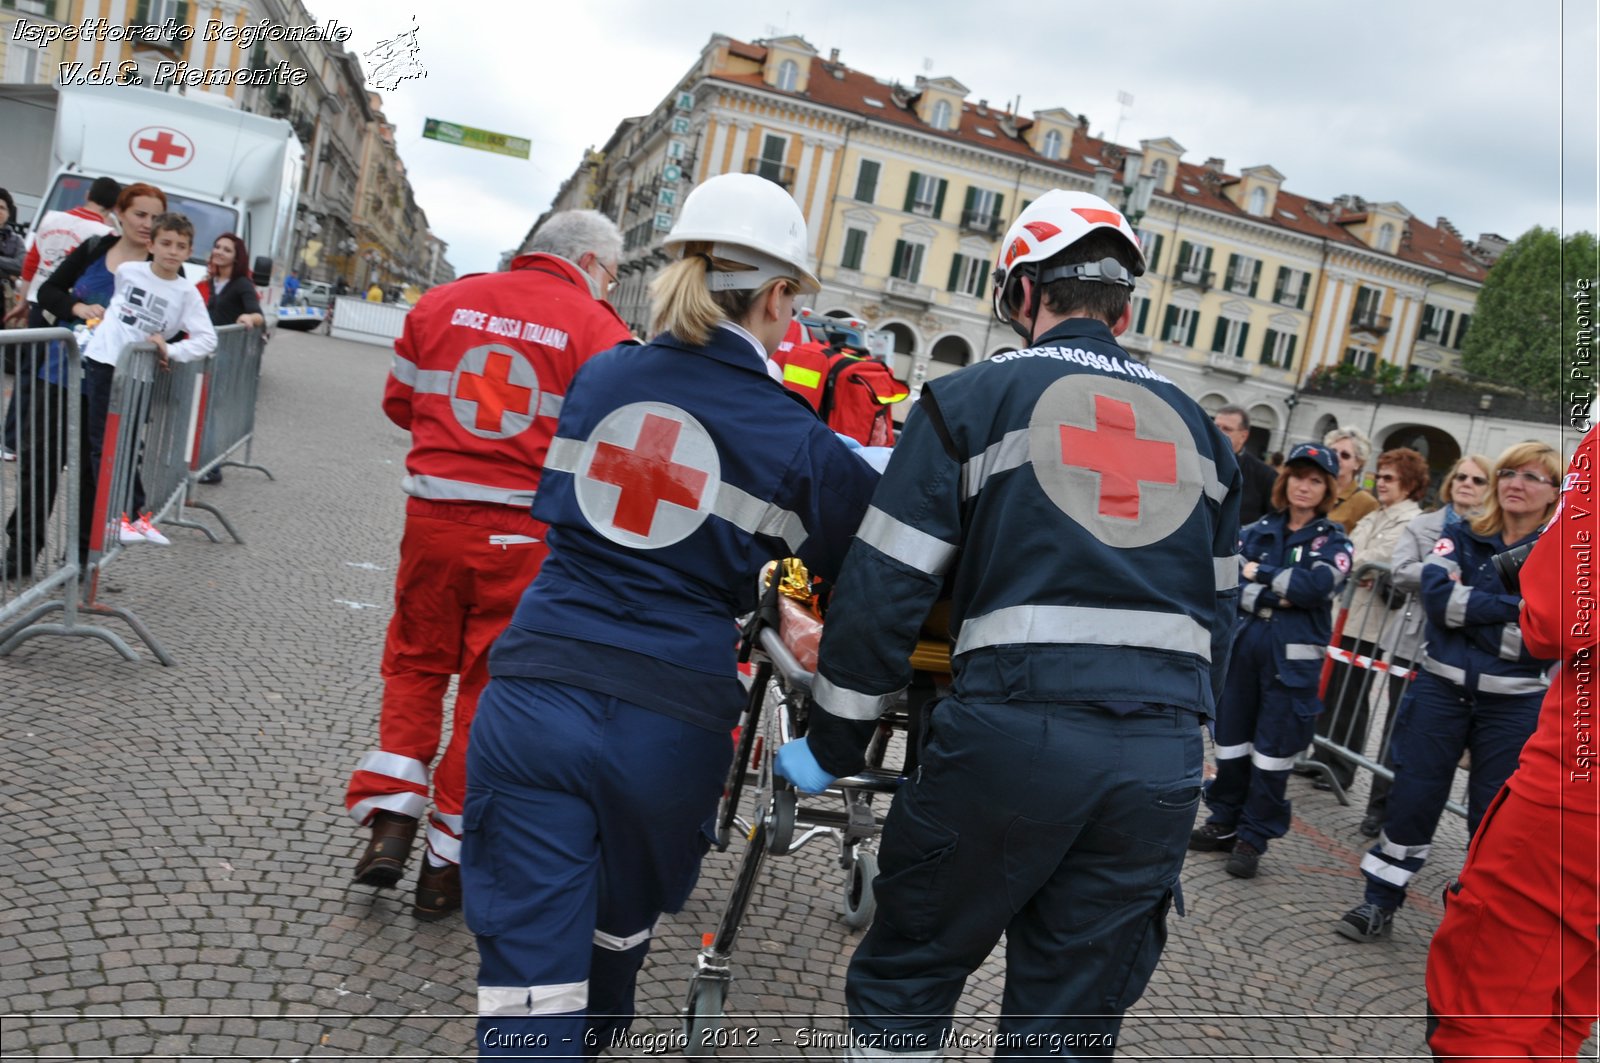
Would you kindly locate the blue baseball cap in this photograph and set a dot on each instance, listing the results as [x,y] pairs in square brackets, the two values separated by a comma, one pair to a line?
[1315,454]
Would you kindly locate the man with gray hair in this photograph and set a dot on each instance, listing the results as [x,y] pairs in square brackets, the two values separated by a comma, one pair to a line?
[477,379]
[1256,499]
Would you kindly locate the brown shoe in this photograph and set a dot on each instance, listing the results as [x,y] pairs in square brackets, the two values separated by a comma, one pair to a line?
[385,859]
[438,892]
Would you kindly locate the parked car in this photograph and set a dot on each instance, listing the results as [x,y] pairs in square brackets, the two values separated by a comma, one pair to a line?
[316,293]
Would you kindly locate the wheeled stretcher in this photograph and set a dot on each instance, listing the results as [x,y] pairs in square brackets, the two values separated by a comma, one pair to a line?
[781,819]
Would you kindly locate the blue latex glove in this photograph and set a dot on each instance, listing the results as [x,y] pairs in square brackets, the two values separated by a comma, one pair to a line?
[850,441]
[796,763]
[877,457]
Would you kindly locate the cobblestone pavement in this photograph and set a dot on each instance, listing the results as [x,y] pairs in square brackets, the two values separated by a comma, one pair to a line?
[175,857]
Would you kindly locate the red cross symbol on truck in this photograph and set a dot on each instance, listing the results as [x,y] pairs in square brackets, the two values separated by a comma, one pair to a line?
[494,393]
[161,149]
[647,475]
[1115,450]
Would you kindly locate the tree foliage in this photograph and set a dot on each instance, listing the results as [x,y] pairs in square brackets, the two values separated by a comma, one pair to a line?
[1523,328]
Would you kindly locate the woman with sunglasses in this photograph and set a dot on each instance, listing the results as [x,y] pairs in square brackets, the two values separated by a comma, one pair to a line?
[1478,688]
[1352,502]
[1461,497]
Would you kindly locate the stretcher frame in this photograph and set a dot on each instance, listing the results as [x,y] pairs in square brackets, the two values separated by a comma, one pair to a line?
[784,820]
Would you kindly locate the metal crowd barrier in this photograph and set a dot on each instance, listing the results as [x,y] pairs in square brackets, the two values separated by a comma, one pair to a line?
[1363,683]
[42,492]
[226,414]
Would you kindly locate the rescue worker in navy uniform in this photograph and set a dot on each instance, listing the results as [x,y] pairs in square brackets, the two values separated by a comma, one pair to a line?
[1294,560]
[1478,687]
[1081,514]
[600,747]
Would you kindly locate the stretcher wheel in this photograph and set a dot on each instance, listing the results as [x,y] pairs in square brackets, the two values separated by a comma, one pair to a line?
[780,828]
[703,1016]
[858,905]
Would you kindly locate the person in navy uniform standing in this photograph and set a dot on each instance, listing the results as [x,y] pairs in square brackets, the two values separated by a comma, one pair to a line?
[1294,561]
[678,469]
[1081,514]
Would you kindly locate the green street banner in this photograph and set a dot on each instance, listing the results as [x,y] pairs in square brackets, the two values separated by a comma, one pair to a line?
[465,136]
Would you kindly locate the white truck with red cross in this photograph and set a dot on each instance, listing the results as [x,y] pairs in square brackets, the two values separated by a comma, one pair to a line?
[228,170]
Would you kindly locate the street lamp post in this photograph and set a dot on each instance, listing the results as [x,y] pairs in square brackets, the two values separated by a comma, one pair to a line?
[1290,402]
[1131,194]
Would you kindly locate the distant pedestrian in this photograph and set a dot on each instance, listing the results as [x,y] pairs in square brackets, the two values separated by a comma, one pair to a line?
[291,290]
[1352,501]
[1256,499]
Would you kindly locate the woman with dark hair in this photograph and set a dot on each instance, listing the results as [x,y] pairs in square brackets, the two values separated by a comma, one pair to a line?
[1295,559]
[228,291]
[11,250]
[1402,480]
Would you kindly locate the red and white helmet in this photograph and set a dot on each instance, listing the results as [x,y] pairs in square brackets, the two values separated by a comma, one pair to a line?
[1051,224]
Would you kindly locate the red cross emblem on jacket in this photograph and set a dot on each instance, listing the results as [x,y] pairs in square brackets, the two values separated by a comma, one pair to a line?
[494,391]
[648,476]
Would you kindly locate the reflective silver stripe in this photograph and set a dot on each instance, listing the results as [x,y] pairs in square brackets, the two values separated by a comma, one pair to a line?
[1280,583]
[1214,488]
[549,405]
[406,769]
[621,944]
[1009,453]
[1249,595]
[1266,763]
[563,454]
[1234,752]
[1304,651]
[451,823]
[907,545]
[1394,850]
[407,804]
[1227,571]
[1455,613]
[404,370]
[1511,642]
[444,845]
[462,491]
[1440,561]
[1069,624]
[749,513]
[1513,684]
[533,1000]
[1382,870]
[430,381]
[848,704]
[1458,676]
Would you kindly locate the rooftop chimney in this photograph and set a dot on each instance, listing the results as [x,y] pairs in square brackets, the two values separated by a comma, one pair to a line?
[833,55]
[1215,165]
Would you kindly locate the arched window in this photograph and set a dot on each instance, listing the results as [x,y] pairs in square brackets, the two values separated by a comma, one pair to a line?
[1052,144]
[1158,170]
[941,115]
[1258,201]
[1386,237]
[788,75]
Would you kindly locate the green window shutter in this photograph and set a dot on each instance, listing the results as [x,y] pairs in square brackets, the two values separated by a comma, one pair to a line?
[899,258]
[999,207]
[972,194]
[1152,255]
[1280,284]
[1194,327]
[854,241]
[183,13]
[1288,355]
[1266,346]
[1255,279]
[1426,322]
[1461,329]
[1233,265]
[955,268]
[1206,263]
[1244,338]
[1169,323]
[1444,330]
[1219,335]
[911,191]
[867,181]
[1185,254]
[1144,317]
[938,199]
[1305,286]
[1025,205]
[141,13]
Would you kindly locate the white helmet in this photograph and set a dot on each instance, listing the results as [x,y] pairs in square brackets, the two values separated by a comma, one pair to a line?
[1051,224]
[753,222]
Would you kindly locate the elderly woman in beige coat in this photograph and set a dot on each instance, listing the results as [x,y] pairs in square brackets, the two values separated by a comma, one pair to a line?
[1402,480]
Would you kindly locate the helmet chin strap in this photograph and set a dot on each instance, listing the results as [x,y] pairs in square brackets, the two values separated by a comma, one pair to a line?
[1027,331]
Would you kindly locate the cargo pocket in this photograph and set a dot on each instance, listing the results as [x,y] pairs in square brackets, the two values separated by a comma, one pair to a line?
[481,881]
[1141,948]
[914,870]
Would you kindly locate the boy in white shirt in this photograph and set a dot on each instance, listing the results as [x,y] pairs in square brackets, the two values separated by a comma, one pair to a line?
[152,300]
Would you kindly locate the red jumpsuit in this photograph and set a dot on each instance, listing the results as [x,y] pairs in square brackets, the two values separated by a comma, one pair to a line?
[478,379]
[1514,970]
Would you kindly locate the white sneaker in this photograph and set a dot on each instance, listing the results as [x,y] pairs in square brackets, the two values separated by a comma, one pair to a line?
[149,532]
[129,533]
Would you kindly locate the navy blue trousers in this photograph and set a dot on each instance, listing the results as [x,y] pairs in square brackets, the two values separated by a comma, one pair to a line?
[1262,726]
[582,825]
[1062,827]
[1438,721]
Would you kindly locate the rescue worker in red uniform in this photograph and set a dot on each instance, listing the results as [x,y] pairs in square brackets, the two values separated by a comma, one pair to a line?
[1514,972]
[478,379]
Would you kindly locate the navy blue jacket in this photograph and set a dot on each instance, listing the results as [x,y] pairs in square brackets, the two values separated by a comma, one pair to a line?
[1300,574]
[1473,637]
[676,472]
[1080,512]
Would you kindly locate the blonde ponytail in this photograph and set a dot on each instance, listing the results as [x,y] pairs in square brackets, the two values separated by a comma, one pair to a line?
[683,304]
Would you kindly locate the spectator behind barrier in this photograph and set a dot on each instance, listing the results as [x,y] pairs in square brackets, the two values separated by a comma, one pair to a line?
[1352,501]
[1258,475]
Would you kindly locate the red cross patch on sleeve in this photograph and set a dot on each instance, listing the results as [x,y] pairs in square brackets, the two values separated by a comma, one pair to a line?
[1444,546]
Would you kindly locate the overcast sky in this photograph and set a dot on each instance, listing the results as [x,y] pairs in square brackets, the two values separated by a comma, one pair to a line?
[1460,108]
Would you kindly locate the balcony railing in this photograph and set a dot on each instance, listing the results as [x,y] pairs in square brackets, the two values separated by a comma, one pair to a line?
[776,172]
[1227,363]
[1370,322]
[908,290]
[980,221]
[1194,277]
